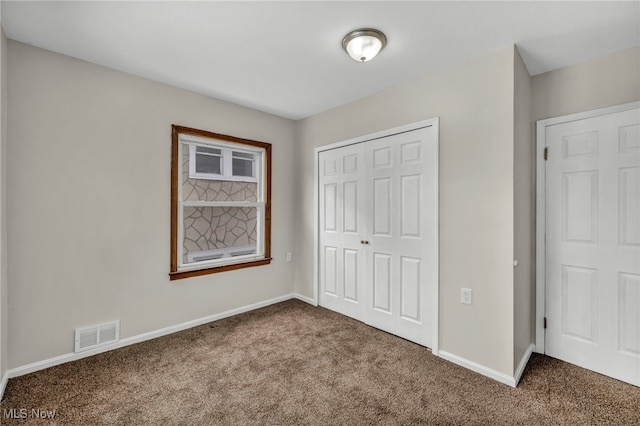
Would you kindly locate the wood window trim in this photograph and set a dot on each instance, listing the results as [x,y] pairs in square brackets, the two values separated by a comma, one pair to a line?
[176,274]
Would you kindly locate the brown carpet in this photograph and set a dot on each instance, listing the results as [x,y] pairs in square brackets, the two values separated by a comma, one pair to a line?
[292,363]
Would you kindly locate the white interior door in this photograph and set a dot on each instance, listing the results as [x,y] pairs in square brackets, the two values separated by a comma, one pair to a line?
[593,244]
[378,232]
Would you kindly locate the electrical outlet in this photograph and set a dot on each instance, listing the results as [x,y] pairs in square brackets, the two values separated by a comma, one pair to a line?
[289,257]
[466,296]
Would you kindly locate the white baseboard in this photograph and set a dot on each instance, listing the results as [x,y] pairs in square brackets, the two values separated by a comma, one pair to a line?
[478,368]
[3,383]
[523,363]
[41,365]
[306,299]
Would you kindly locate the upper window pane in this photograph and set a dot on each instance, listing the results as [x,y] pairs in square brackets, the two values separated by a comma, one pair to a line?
[242,167]
[208,164]
[221,162]
[214,188]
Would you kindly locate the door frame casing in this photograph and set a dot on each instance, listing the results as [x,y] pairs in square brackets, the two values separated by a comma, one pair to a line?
[541,143]
[435,124]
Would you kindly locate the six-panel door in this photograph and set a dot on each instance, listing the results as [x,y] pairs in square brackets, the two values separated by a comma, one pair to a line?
[593,244]
[342,229]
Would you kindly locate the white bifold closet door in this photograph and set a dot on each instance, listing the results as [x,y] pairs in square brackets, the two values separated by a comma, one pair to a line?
[378,232]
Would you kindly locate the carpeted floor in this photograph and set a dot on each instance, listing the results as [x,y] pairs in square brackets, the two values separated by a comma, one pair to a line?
[292,363]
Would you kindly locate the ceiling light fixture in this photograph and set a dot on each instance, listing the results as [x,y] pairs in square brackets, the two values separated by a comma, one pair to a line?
[364,44]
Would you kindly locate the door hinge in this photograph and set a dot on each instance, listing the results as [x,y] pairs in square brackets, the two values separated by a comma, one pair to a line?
[545,322]
[546,153]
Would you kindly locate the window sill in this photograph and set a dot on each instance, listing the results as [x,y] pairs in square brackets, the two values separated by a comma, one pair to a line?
[222,178]
[178,275]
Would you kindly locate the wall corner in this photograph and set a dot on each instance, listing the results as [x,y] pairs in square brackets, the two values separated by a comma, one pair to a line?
[3,211]
[524,213]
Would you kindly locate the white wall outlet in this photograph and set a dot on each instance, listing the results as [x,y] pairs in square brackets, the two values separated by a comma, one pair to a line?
[466,296]
[288,256]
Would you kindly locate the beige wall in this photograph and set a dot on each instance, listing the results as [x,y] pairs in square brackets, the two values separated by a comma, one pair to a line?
[606,81]
[85,245]
[475,104]
[524,244]
[4,305]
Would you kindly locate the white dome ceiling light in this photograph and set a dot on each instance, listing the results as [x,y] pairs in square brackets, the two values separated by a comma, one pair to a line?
[364,44]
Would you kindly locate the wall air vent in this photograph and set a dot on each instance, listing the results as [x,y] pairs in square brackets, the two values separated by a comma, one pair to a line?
[97,335]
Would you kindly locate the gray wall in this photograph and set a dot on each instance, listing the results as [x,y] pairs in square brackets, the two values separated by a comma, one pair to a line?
[88,203]
[475,104]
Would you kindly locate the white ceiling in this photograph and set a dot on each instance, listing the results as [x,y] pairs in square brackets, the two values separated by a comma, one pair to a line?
[286,57]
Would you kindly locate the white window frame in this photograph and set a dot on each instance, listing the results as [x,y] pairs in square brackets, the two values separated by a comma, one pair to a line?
[226,166]
[260,178]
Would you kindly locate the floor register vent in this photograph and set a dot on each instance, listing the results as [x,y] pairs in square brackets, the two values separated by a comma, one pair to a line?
[97,335]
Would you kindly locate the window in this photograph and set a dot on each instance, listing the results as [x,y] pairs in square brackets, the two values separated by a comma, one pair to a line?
[220,203]
[222,164]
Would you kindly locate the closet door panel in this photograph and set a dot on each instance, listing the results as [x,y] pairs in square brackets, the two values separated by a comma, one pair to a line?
[341,198]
